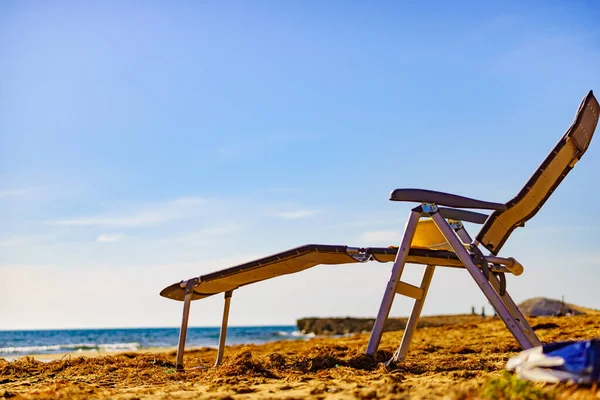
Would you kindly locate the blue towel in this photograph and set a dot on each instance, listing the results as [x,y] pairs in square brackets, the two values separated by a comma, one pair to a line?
[577,361]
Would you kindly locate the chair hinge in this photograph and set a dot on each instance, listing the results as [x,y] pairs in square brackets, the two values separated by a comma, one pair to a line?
[455,224]
[429,208]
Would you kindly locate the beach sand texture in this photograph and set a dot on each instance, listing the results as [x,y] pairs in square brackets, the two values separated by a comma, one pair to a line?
[461,361]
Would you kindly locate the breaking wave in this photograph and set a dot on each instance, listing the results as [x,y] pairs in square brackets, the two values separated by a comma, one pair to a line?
[294,334]
[59,348]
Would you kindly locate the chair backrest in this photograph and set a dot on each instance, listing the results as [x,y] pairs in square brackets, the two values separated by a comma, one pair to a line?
[569,149]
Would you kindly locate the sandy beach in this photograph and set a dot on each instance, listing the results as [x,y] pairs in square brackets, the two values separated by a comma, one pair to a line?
[458,361]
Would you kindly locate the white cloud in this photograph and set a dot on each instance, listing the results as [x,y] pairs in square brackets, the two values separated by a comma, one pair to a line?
[368,220]
[296,214]
[12,241]
[149,215]
[110,238]
[381,237]
[203,236]
[220,229]
[138,219]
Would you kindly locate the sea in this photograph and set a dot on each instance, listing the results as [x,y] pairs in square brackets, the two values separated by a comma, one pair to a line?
[15,344]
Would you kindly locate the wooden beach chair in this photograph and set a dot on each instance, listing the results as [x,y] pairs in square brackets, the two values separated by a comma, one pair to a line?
[434,236]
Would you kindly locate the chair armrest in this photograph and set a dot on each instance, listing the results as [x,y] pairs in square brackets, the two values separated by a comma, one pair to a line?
[463,215]
[443,199]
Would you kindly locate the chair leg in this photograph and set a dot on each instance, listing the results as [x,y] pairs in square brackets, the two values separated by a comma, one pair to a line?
[402,351]
[506,299]
[516,313]
[189,290]
[390,290]
[486,287]
[223,334]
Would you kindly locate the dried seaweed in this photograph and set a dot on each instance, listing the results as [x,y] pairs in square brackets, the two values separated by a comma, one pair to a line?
[455,363]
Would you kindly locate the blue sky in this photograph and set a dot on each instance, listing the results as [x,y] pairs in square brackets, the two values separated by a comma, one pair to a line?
[146,142]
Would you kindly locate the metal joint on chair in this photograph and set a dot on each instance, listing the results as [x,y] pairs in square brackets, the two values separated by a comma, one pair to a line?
[479,259]
[476,254]
[429,208]
[189,284]
[455,224]
[485,269]
[192,283]
[417,209]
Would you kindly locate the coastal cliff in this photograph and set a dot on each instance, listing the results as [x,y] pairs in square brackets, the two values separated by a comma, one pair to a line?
[341,326]
[535,307]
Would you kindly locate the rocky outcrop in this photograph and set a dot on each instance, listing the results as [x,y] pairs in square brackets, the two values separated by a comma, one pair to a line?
[539,306]
[341,326]
[542,306]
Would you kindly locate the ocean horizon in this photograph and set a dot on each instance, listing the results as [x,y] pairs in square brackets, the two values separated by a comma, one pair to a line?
[19,343]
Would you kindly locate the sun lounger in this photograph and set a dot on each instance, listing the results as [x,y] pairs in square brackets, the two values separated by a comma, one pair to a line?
[434,236]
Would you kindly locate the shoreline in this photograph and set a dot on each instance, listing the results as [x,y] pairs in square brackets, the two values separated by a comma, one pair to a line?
[314,328]
[46,357]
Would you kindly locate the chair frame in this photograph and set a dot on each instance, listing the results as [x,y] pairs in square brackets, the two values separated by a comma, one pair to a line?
[189,290]
[488,272]
[491,286]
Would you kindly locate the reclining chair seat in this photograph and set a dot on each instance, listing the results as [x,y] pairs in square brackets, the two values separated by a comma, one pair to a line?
[305,257]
